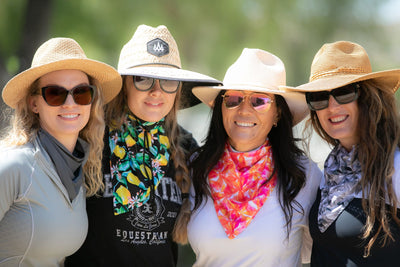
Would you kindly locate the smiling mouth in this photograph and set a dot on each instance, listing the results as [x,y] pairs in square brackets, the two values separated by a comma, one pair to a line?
[154,104]
[69,116]
[245,124]
[338,119]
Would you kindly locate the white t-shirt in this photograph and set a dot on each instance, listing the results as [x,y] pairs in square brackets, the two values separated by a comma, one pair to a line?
[264,242]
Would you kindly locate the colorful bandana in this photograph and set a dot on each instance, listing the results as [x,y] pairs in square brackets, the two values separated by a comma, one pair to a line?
[342,175]
[139,160]
[239,186]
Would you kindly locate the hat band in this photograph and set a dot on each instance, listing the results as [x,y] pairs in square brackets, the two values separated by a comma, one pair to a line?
[320,75]
[146,64]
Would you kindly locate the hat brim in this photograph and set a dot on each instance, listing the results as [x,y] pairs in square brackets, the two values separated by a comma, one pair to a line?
[109,79]
[188,78]
[390,78]
[296,101]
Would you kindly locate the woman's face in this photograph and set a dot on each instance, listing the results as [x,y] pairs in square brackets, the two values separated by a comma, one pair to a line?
[151,105]
[66,121]
[246,127]
[340,122]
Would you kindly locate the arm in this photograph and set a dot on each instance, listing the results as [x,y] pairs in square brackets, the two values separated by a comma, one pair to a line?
[9,184]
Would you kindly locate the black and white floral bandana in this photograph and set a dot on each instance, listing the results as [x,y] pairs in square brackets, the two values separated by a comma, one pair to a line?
[342,175]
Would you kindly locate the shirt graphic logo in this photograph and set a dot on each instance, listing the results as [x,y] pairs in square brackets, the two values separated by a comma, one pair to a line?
[157,47]
[148,216]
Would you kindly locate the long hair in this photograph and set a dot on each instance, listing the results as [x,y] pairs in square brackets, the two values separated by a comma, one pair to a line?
[25,125]
[379,131]
[115,113]
[291,176]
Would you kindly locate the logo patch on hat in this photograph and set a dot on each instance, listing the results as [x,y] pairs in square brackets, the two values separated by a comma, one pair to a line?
[157,47]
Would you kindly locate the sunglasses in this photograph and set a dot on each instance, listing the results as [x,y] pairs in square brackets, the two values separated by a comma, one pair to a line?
[260,102]
[56,95]
[145,84]
[342,95]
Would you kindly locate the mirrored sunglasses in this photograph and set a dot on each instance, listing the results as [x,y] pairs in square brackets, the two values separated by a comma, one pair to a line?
[56,95]
[342,95]
[260,102]
[145,84]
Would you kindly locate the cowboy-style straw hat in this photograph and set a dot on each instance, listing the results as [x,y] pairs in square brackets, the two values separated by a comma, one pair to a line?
[153,52]
[341,63]
[60,54]
[260,71]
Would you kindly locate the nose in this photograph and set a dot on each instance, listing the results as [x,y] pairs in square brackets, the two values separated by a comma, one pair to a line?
[245,106]
[156,89]
[332,103]
[69,101]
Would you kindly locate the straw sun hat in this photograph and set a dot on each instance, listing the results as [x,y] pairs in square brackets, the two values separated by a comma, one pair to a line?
[260,71]
[61,54]
[153,52]
[341,63]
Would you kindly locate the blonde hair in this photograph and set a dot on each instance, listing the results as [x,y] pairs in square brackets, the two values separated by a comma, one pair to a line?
[115,113]
[25,124]
[379,130]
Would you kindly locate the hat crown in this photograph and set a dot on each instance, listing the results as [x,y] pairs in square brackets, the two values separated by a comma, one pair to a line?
[149,46]
[57,49]
[256,68]
[340,58]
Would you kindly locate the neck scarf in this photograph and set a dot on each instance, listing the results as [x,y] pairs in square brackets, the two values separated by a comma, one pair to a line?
[139,160]
[342,175]
[68,165]
[240,183]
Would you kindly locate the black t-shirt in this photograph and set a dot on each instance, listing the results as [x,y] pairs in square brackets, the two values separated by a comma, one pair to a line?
[142,237]
[342,244]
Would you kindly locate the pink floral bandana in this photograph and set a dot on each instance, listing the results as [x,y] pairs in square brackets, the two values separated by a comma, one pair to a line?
[239,186]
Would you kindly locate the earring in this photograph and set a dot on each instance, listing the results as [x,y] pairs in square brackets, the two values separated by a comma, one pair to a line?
[275,123]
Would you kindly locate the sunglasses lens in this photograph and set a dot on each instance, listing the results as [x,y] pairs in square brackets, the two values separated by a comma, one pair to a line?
[169,86]
[317,100]
[345,95]
[83,95]
[261,102]
[232,100]
[54,95]
[143,83]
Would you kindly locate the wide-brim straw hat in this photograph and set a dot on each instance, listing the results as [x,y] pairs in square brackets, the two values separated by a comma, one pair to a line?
[341,63]
[153,52]
[61,54]
[259,71]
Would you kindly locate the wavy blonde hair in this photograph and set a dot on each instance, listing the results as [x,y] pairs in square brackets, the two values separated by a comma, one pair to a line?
[115,114]
[24,125]
[379,131]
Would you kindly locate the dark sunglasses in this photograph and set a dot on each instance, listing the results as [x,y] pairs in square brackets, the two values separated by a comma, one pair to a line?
[56,95]
[260,102]
[342,95]
[145,83]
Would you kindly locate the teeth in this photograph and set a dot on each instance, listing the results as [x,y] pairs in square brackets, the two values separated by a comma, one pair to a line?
[245,124]
[69,116]
[338,119]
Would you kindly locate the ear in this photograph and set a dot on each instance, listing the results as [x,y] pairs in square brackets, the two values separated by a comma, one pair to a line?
[33,103]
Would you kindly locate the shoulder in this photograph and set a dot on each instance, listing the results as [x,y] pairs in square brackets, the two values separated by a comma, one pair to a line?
[311,169]
[14,158]
[14,162]
[396,175]
[187,140]
[314,177]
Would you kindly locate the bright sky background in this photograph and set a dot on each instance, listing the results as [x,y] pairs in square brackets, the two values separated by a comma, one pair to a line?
[390,12]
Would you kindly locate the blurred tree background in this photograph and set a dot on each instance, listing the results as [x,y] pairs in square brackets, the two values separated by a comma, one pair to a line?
[210,34]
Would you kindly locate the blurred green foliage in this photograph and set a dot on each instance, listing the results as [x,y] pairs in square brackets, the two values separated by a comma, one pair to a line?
[211,34]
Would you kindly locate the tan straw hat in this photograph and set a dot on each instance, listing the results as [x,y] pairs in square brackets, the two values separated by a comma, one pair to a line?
[260,71]
[60,54]
[153,52]
[341,63]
